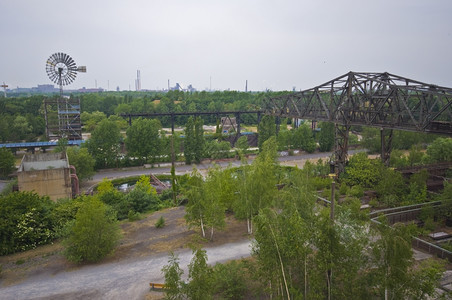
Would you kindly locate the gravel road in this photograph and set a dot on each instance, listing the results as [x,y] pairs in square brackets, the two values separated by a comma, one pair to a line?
[122,280]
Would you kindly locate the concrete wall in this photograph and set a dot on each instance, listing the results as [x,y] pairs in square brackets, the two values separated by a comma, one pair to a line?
[55,183]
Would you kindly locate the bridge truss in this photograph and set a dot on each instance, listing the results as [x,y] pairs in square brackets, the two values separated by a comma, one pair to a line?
[381,100]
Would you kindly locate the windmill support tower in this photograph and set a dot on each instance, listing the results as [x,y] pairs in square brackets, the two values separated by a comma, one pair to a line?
[62,115]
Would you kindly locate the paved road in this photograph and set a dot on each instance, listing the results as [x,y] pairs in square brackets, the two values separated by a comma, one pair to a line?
[122,280]
[182,168]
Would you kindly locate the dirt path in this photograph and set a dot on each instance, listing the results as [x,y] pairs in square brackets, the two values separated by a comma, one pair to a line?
[44,273]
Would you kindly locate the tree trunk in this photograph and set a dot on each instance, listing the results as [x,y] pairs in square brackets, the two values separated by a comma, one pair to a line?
[305,278]
[248,224]
[211,234]
[202,229]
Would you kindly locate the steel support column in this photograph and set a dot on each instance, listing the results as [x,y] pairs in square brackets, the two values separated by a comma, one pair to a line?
[237,121]
[341,147]
[386,145]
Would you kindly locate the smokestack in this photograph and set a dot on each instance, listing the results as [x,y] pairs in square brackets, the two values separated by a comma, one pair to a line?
[138,81]
[246,86]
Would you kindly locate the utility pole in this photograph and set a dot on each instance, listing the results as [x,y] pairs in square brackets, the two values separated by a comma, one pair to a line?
[333,189]
[4,86]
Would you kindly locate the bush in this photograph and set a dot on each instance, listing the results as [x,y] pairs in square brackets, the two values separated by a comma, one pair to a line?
[362,171]
[64,212]
[160,223]
[143,197]
[93,234]
[25,222]
[229,280]
[320,183]
[133,216]
[373,203]
[356,191]
[343,190]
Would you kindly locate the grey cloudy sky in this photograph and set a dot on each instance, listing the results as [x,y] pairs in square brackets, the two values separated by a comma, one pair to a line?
[273,44]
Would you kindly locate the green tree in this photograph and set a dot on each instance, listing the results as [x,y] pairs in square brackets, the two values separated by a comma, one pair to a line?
[326,136]
[5,128]
[7,162]
[143,196]
[21,128]
[199,142]
[391,187]
[394,257]
[242,144]
[363,171]
[91,120]
[174,285]
[108,194]
[417,188]
[303,139]
[440,150]
[143,139]
[230,280]
[218,192]
[216,150]
[284,139]
[104,144]
[94,233]
[189,141]
[83,162]
[199,276]
[266,129]
[195,210]
[256,184]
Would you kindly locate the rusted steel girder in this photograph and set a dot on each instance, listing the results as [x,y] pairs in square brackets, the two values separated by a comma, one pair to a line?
[379,100]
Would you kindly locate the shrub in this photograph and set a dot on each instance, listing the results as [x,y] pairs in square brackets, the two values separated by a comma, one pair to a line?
[25,222]
[160,223]
[133,216]
[356,191]
[229,280]
[343,190]
[93,234]
[363,171]
[320,183]
[373,203]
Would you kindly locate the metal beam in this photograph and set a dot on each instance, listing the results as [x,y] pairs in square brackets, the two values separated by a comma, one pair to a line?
[379,100]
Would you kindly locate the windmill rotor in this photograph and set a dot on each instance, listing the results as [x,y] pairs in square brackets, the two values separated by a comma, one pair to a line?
[61,69]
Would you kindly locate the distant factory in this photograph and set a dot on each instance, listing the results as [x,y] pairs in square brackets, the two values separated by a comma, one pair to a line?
[49,89]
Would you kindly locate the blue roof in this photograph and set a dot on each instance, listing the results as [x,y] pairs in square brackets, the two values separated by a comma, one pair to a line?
[39,144]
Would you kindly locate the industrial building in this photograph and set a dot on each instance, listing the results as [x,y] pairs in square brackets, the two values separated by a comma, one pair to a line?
[48,174]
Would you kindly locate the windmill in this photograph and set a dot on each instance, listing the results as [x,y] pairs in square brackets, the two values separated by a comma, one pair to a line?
[62,70]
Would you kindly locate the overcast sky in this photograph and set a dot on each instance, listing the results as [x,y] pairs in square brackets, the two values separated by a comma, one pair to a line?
[274,45]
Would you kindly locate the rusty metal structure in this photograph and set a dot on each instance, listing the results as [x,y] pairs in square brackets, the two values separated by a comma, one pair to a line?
[381,100]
